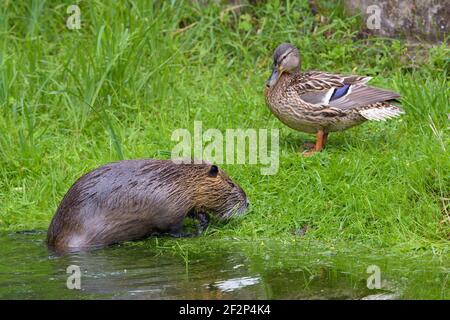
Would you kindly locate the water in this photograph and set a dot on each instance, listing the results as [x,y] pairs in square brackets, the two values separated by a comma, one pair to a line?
[215,269]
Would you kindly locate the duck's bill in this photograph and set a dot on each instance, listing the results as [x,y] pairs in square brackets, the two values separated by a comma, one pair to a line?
[273,78]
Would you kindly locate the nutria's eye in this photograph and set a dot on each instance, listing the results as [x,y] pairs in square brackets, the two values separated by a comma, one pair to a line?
[213,171]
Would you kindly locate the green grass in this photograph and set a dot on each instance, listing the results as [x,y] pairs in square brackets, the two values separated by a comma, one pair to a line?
[72,100]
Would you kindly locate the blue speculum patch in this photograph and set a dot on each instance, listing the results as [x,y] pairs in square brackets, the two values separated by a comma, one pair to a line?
[340,92]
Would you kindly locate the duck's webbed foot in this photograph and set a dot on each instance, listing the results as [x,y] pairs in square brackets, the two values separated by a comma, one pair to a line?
[320,143]
[307,146]
[309,153]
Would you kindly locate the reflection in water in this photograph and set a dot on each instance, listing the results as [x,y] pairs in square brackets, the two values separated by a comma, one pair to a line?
[212,270]
[235,284]
[139,273]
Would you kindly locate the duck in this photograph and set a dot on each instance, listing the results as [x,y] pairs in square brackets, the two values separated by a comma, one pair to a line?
[321,102]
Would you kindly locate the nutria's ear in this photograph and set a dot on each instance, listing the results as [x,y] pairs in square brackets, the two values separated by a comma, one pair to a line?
[213,171]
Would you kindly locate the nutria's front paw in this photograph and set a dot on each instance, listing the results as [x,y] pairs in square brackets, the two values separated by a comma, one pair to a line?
[203,222]
[178,235]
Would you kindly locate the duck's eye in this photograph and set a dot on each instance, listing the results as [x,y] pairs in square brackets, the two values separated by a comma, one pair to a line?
[284,57]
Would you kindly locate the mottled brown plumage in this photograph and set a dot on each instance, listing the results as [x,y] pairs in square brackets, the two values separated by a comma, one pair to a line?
[321,102]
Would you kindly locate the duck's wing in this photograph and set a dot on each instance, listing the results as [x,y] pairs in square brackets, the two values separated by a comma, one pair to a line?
[361,95]
[339,91]
[319,88]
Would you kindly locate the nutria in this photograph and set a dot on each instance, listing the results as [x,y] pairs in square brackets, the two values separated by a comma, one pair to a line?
[133,199]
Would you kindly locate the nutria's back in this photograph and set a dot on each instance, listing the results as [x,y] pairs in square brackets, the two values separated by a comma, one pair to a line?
[132,199]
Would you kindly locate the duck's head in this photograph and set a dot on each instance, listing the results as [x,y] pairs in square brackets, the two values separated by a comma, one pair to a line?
[286,58]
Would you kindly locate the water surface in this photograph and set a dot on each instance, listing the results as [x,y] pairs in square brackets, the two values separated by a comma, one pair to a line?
[215,269]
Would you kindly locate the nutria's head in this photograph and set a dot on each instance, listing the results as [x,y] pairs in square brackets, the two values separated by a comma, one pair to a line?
[216,192]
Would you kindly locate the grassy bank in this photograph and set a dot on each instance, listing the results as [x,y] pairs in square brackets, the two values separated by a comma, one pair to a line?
[71,100]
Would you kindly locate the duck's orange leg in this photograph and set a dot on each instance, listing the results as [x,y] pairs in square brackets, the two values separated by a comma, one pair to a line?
[325,138]
[320,143]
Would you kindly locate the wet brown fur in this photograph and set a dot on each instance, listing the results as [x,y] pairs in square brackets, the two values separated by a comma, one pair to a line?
[133,199]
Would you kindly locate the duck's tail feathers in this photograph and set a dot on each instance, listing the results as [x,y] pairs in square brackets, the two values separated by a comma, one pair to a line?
[382,113]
